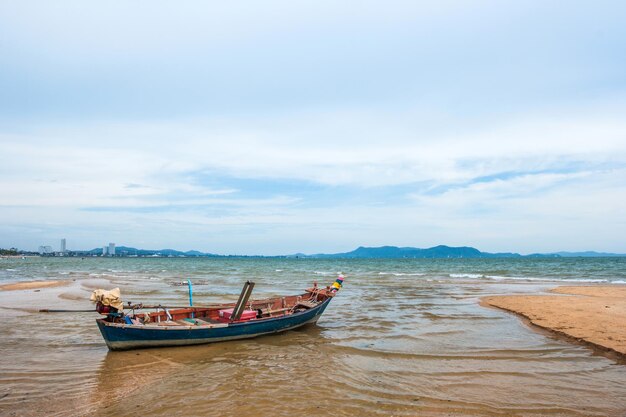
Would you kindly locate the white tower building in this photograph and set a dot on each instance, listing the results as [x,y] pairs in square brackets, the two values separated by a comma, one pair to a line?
[111,249]
[63,249]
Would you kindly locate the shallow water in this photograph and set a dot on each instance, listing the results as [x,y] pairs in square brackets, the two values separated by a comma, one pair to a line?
[403,337]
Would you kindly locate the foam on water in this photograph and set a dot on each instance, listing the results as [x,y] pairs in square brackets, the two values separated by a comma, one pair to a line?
[466,276]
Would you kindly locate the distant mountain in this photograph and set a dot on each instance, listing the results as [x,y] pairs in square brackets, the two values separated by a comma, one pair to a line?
[196,253]
[127,251]
[443,251]
[387,252]
[440,251]
[588,254]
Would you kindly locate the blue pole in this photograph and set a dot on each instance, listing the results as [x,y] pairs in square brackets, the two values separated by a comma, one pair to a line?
[190,296]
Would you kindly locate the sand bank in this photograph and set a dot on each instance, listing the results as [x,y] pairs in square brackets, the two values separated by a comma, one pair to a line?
[30,285]
[593,314]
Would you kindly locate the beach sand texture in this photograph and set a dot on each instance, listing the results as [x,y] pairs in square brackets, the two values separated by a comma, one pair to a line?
[31,285]
[591,314]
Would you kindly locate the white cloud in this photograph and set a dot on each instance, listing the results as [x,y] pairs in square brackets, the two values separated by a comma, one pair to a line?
[405,123]
[570,177]
[363,150]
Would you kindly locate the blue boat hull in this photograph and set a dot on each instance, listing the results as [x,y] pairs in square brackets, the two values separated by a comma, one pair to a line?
[123,336]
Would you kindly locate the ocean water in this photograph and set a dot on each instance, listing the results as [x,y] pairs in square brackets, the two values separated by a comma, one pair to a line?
[403,337]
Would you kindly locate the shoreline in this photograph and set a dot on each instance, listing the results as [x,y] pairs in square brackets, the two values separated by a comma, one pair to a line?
[590,315]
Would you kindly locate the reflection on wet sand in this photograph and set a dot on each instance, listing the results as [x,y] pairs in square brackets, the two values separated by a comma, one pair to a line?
[244,377]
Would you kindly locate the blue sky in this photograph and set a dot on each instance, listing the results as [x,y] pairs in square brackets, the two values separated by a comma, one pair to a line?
[280,127]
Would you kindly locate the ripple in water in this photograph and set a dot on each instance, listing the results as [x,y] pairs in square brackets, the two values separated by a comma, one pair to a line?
[410,341]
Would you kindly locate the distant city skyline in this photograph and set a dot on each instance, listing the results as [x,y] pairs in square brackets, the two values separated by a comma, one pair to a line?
[283,127]
[441,251]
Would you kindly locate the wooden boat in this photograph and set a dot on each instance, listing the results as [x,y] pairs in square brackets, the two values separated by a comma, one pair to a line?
[198,325]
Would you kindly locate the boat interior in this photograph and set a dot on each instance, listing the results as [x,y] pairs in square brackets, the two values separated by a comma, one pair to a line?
[244,310]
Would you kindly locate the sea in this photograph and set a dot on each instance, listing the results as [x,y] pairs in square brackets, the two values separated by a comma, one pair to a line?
[403,337]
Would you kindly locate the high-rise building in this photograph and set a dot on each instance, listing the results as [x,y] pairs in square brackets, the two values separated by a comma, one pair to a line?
[63,249]
[111,249]
[45,250]
[104,251]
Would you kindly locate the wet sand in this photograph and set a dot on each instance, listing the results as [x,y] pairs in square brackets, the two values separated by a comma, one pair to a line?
[32,285]
[595,315]
[402,344]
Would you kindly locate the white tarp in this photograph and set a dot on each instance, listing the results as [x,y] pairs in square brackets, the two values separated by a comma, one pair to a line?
[108,298]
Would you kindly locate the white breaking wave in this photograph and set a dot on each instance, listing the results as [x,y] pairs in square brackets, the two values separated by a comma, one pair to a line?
[547,279]
[466,276]
[537,279]
[402,274]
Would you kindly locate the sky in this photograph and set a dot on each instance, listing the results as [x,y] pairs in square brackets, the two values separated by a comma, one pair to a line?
[279,127]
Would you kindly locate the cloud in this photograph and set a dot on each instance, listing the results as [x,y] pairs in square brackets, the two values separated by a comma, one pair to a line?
[366,149]
[307,175]
[313,126]
[154,61]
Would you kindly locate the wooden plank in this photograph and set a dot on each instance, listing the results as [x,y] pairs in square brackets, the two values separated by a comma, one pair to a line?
[246,291]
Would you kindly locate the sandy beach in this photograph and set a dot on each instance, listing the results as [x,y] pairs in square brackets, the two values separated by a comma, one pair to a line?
[33,285]
[594,315]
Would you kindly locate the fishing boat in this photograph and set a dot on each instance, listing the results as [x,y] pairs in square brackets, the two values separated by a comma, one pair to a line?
[193,325]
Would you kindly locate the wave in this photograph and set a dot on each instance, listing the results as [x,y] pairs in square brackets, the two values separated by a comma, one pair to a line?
[548,279]
[538,279]
[467,276]
[402,274]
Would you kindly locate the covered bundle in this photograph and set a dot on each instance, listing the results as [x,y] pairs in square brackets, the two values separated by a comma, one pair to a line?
[108,298]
